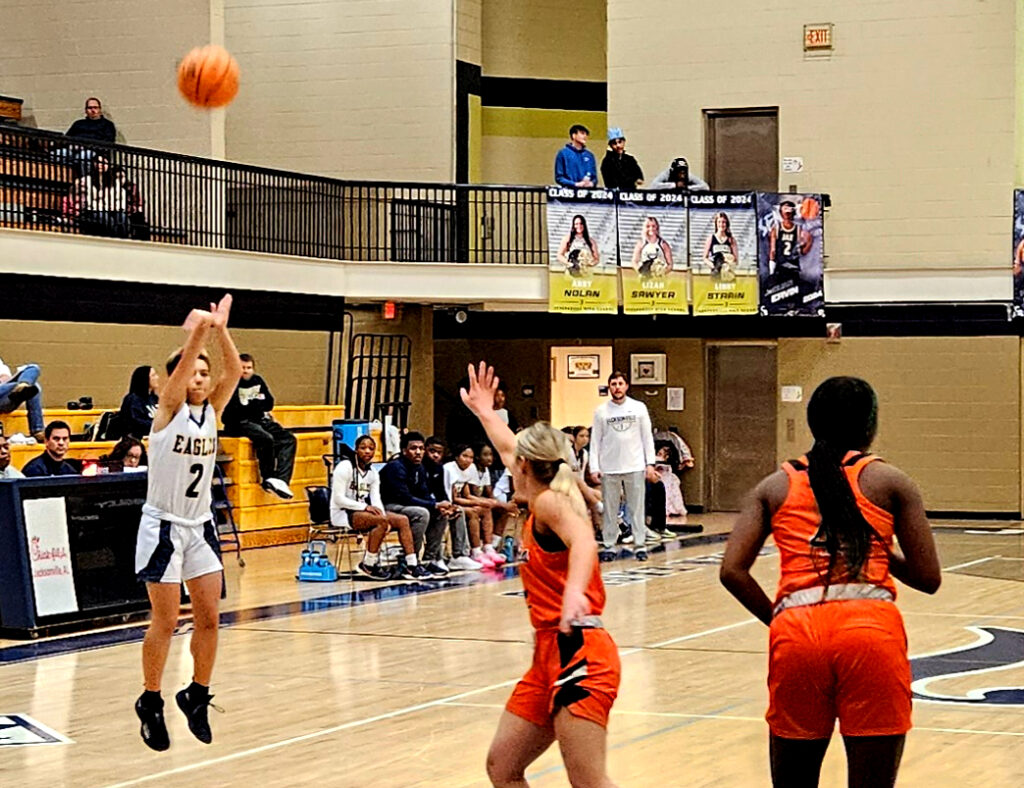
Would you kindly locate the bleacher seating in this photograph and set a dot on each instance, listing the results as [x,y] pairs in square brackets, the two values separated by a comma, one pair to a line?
[262,518]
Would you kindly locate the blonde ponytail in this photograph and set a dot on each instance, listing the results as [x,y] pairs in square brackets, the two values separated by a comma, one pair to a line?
[549,453]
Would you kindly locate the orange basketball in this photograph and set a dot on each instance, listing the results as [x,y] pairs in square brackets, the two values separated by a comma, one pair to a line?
[208,77]
[809,208]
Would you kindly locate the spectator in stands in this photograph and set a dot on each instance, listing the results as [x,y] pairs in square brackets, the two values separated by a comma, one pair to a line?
[501,405]
[667,467]
[574,164]
[678,176]
[135,418]
[590,489]
[98,202]
[356,505]
[458,530]
[54,461]
[128,455]
[7,471]
[619,170]
[484,457]
[405,490]
[461,481]
[93,126]
[22,387]
[138,227]
[247,415]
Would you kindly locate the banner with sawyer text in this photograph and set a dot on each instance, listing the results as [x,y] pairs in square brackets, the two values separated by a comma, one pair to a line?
[653,252]
[723,253]
[583,251]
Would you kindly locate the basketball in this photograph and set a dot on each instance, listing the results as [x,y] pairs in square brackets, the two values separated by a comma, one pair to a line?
[208,77]
[809,208]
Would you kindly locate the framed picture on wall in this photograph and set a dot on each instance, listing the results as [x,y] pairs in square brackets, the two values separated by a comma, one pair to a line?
[584,366]
[647,369]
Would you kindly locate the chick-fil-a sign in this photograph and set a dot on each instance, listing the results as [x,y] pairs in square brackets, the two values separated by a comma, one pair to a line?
[49,556]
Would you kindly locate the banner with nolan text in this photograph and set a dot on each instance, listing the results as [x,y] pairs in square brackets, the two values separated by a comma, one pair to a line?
[584,252]
[653,252]
[723,253]
[790,229]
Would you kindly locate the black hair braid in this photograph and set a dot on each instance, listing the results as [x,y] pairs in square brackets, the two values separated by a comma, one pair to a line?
[843,416]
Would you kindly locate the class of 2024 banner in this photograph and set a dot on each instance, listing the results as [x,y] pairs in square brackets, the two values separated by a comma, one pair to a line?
[583,251]
[791,254]
[653,242]
[1018,253]
[723,253]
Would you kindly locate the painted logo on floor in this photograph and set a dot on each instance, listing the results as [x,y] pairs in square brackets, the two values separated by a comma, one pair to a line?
[996,648]
[20,730]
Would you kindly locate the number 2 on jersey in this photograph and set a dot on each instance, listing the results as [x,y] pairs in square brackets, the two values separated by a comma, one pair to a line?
[193,489]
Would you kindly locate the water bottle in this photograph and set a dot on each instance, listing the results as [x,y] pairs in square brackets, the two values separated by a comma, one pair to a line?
[510,549]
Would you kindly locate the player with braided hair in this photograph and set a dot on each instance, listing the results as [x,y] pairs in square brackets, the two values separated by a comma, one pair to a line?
[837,647]
[568,692]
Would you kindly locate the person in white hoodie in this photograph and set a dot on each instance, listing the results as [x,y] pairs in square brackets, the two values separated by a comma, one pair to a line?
[622,458]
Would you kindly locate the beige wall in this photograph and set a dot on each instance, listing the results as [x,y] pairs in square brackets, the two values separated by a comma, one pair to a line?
[949,410]
[468,22]
[55,54]
[539,39]
[911,119]
[345,89]
[96,360]
[545,39]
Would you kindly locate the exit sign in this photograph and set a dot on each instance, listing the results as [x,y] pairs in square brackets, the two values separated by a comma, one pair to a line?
[818,38]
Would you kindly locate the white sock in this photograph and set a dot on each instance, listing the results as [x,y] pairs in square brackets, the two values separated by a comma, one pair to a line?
[410,559]
[495,541]
[371,559]
[475,552]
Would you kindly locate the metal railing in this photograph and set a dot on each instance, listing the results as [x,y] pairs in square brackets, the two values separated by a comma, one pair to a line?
[55,183]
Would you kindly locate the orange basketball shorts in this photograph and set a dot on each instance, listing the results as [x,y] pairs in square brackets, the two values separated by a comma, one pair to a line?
[843,659]
[579,672]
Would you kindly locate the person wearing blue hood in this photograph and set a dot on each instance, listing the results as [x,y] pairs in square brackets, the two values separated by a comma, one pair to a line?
[574,164]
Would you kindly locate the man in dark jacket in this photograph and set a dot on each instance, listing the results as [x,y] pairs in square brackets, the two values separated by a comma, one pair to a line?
[54,461]
[93,126]
[619,170]
[247,415]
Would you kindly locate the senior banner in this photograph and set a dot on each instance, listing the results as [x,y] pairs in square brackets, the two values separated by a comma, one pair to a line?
[653,243]
[583,244]
[791,254]
[723,253]
[1018,253]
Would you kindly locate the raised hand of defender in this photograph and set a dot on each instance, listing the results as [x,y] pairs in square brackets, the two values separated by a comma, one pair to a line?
[219,312]
[482,385]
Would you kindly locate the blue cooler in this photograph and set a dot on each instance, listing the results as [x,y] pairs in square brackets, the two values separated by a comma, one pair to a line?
[348,431]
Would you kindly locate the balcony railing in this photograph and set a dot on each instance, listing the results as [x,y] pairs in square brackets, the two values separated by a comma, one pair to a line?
[50,182]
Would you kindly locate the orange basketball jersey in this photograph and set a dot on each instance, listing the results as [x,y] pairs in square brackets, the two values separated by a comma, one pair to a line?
[796,523]
[544,572]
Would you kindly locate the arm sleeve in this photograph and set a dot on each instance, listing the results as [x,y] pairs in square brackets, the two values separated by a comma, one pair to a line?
[561,175]
[596,434]
[268,399]
[375,499]
[647,435]
[340,481]
[697,185]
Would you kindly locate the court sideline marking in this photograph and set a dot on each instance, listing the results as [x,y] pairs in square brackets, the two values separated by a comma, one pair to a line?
[369,720]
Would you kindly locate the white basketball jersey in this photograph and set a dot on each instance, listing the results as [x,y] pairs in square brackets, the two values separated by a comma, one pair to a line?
[181,460]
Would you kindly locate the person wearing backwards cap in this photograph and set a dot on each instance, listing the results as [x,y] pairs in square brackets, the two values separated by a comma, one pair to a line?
[619,170]
[678,176]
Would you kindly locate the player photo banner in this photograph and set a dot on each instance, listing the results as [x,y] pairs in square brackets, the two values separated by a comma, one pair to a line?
[1018,253]
[723,253]
[791,239]
[653,244]
[583,244]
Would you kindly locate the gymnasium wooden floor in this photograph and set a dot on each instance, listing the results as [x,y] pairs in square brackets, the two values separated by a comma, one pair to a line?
[324,687]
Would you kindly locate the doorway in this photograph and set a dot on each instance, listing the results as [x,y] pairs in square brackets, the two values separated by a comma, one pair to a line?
[742,149]
[742,381]
[578,376]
